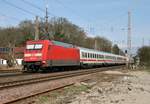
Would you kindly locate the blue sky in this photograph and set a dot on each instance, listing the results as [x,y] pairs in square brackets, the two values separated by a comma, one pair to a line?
[106,18]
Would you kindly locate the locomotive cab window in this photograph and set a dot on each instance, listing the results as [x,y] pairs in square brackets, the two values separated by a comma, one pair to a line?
[34,46]
[30,46]
[38,46]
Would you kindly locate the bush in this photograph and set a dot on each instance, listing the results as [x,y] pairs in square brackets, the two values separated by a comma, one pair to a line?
[144,55]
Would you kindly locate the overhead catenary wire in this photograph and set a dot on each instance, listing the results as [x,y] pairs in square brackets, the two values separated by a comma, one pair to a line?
[37,7]
[43,10]
[72,11]
[11,17]
[8,16]
[15,6]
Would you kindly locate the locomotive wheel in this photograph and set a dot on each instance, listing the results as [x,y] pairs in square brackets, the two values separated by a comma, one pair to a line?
[24,70]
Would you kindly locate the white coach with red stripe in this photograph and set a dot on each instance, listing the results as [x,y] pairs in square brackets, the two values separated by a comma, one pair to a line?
[95,57]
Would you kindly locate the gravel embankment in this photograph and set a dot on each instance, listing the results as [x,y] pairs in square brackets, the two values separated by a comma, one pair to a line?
[134,89]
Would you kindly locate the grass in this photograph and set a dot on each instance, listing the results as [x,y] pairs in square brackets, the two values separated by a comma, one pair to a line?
[144,68]
[147,69]
[76,89]
[43,99]
[61,96]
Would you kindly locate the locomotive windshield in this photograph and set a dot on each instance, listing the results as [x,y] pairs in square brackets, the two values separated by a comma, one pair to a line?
[34,46]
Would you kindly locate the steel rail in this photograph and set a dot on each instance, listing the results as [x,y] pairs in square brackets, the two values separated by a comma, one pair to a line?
[52,77]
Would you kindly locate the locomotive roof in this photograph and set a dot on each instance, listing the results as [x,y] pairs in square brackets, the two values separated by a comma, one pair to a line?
[62,44]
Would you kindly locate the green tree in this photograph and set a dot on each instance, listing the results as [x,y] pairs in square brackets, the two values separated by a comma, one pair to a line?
[144,55]
[115,49]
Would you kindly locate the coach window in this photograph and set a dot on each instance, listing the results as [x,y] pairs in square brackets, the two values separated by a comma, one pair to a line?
[82,55]
[88,55]
[85,55]
[91,55]
[99,56]
[102,56]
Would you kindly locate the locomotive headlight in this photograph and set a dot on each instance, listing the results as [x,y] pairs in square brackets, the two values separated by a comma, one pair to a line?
[38,54]
[27,55]
[44,62]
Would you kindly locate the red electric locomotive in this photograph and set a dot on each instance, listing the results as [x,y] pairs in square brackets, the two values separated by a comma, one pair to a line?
[44,54]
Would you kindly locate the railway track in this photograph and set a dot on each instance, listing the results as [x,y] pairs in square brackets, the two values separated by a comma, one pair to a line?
[50,78]
[10,71]
[3,75]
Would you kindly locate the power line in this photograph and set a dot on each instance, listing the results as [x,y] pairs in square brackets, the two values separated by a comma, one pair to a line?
[24,10]
[11,17]
[37,7]
[72,10]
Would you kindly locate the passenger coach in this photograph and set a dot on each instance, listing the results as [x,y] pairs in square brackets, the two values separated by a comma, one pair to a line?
[90,57]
